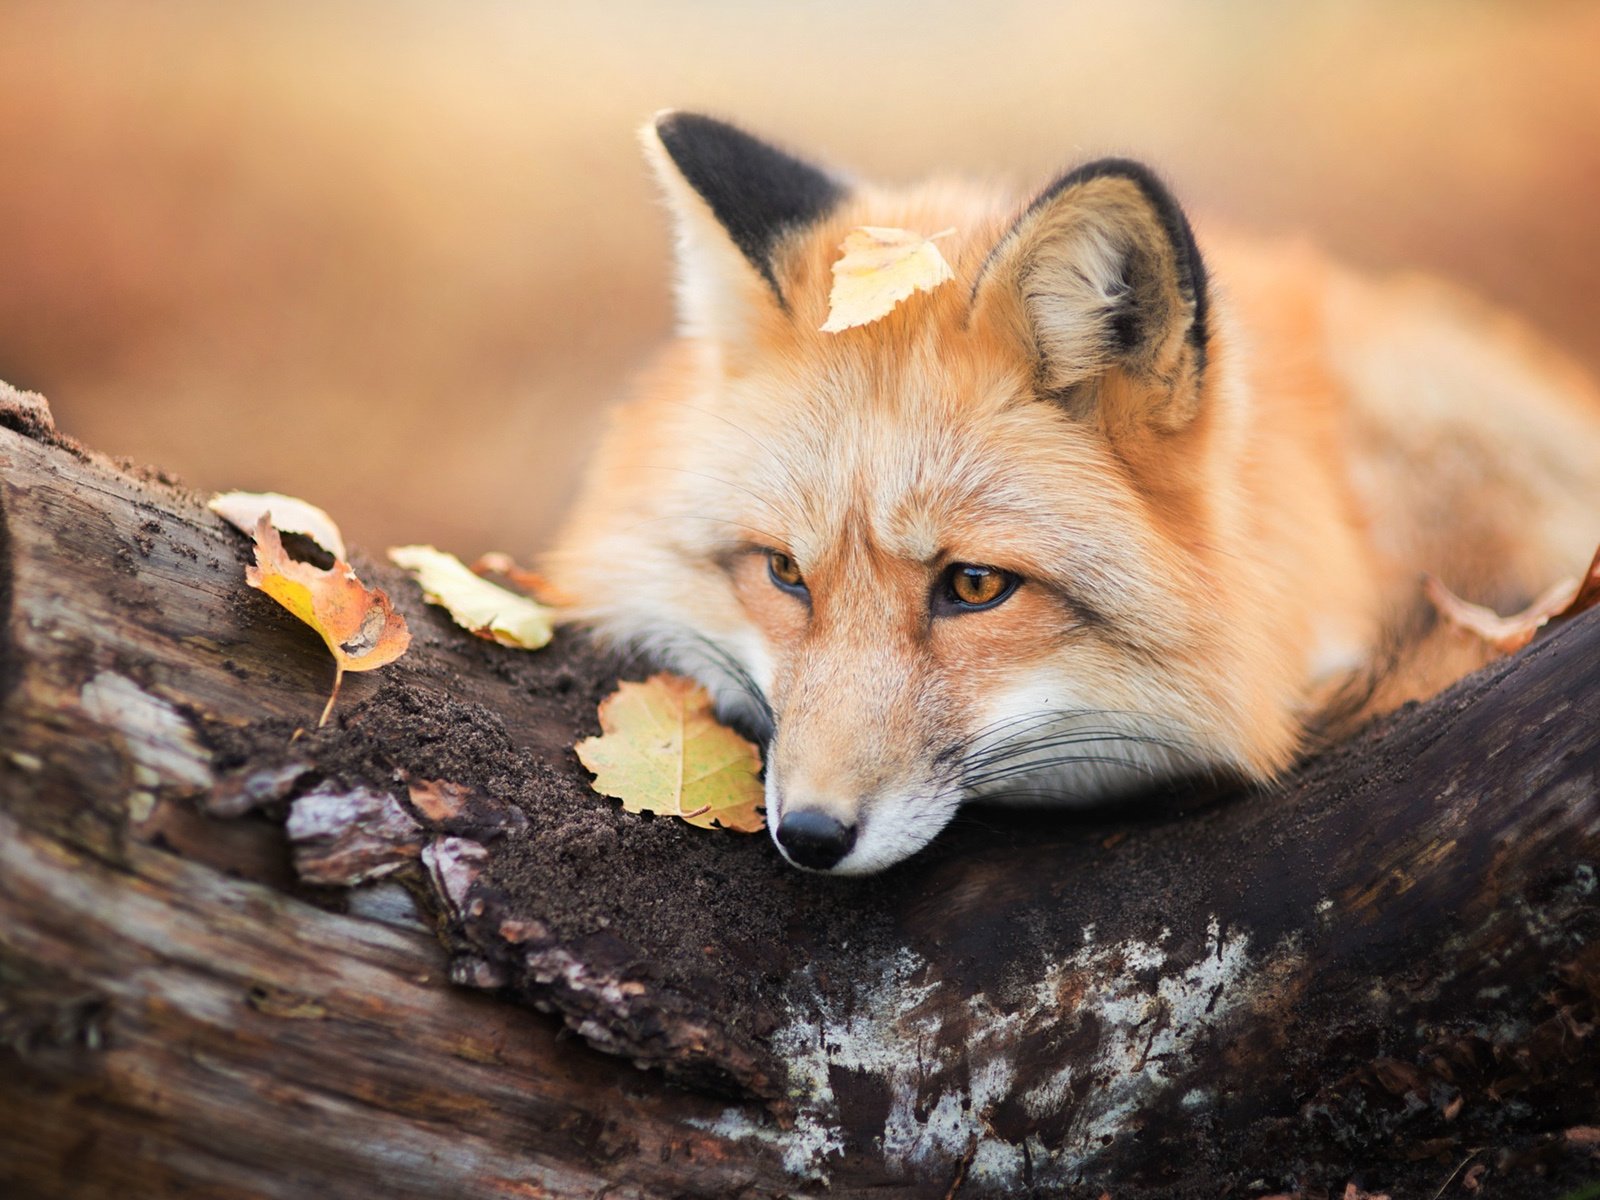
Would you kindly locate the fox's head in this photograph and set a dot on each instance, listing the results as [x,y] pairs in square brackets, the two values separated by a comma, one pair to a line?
[988,545]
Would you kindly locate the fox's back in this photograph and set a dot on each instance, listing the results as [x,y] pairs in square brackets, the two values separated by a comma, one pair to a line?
[1466,446]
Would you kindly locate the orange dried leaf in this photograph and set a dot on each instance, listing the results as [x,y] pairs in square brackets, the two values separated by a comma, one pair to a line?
[529,583]
[1588,594]
[359,625]
[661,750]
[877,268]
[1507,635]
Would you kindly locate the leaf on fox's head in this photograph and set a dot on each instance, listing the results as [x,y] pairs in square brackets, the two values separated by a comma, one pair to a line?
[288,514]
[661,750]
[1507,635]
[877,268]
[474,603]
[360,627]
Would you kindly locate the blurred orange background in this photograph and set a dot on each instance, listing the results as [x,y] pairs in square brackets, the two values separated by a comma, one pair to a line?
[397,258]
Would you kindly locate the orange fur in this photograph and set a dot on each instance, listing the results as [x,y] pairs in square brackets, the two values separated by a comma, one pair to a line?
[1209,558]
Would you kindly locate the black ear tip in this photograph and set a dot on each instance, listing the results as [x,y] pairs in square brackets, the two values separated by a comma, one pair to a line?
[699,144]
[756,191]
[673,124]
[676,125]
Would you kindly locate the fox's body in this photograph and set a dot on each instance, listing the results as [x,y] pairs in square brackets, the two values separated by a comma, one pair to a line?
[1211,490]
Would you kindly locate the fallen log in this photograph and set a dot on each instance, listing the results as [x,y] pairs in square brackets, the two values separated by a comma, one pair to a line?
[220,928]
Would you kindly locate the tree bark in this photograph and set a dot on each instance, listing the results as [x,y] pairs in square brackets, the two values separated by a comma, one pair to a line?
[221,973]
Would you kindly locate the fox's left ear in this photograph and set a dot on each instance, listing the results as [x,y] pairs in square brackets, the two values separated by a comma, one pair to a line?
[734,199]
[1101,280]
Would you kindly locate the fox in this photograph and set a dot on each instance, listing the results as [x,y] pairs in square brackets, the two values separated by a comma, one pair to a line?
[1119,505]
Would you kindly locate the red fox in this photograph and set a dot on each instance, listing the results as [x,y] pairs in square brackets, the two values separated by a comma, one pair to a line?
[1116,505]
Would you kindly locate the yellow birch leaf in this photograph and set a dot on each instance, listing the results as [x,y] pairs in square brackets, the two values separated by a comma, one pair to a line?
[877,268]
[289,515]
[361,628]
[474,603]
[661,750]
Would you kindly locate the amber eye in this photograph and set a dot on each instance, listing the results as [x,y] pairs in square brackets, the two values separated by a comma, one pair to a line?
[784,572]
[968,586]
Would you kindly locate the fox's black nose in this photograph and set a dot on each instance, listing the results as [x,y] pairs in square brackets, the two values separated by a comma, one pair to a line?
[814,839]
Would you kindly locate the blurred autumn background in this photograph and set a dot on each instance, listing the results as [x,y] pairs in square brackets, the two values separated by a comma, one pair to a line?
[398,257]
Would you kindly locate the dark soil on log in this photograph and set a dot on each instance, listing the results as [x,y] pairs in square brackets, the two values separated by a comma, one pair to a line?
[715,919]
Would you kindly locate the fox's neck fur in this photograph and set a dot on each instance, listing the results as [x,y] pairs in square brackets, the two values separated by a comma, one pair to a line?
[1210,481]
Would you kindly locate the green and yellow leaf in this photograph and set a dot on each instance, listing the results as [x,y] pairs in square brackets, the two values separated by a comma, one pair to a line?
[662,750]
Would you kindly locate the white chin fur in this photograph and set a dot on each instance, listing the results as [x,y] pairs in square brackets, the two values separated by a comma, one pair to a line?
[893,830]
[868,857]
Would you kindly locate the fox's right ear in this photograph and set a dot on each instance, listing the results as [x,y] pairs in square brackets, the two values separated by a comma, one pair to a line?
[734,199]
[1101,280]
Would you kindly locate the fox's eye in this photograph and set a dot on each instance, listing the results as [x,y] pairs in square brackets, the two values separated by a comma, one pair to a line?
[968,586]
[784,572]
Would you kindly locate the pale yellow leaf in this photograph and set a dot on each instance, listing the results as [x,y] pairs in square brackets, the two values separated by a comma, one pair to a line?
[288,514]
[475,604]
[662,750]
[877,268]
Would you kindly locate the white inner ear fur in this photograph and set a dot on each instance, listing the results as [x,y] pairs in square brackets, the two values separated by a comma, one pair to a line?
[1071,281]
[715,285]
[1062,276]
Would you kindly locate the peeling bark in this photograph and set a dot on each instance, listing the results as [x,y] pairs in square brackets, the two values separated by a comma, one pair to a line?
[1386,962]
